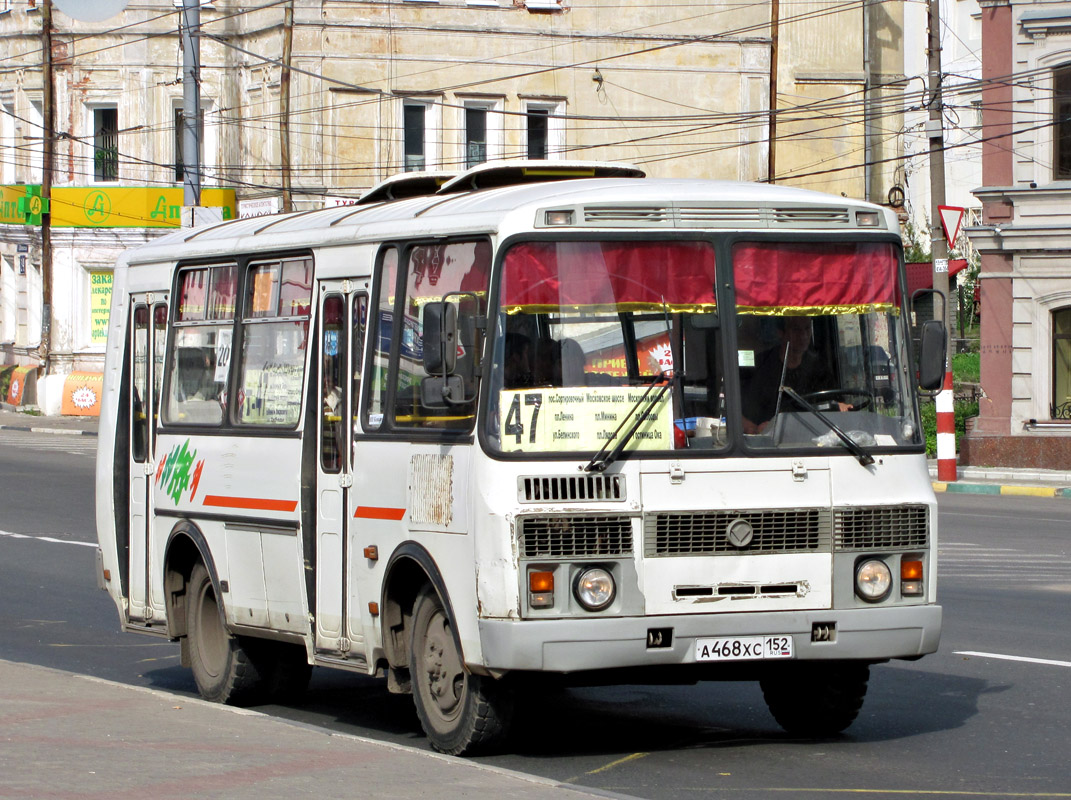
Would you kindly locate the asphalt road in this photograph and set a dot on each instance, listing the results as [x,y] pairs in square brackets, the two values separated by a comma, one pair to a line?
[986,716]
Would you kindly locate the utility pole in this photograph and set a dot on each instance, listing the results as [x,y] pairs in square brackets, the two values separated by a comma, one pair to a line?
[946,430]
[48,114]
[191,102]
[284,105]
[775,19]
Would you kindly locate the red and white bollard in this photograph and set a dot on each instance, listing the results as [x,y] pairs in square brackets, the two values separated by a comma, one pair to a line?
[946,432]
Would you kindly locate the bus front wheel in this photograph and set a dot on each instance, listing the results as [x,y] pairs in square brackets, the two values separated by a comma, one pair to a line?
[817,698]
[461,713]
[222,669]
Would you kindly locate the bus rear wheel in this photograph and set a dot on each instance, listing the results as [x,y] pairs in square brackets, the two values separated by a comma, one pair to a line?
[461,713]
[816,699]
[222,669]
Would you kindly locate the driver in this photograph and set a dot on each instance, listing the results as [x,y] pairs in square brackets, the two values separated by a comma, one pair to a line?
[792,357]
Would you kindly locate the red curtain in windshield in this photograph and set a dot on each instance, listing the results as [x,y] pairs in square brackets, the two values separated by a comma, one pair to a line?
[610,276]
[815,278]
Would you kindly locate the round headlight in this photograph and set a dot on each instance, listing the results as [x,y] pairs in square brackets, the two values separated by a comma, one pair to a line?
[594,589]
[873,579]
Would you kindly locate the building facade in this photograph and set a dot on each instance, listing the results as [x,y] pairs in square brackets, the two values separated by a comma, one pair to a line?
[1025,238]
[308,103]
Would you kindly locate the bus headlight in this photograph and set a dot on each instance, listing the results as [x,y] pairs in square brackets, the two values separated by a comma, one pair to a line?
[594,589]
[873,579]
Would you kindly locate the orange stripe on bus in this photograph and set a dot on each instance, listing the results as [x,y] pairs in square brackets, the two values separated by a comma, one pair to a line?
[256,503]
[374,512]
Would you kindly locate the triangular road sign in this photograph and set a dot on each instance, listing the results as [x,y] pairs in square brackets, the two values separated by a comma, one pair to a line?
[951,219]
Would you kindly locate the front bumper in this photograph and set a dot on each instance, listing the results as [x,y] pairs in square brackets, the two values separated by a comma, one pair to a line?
[569,645]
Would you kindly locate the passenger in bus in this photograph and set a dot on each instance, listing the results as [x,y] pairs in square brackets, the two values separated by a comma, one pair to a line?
[792,361]
[518,367]
[573,361]
[547,363]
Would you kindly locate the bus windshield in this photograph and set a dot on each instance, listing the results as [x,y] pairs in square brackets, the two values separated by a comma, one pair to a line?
[622,344]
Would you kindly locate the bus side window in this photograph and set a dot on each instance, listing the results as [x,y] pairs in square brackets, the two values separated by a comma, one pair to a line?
[333,403]
[461,270]
[360,325]
[139,416]
[199,360]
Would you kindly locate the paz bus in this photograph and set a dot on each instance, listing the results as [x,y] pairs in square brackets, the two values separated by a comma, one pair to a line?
[535,423]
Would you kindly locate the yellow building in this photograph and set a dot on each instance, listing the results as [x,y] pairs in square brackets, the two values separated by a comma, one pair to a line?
[310,103]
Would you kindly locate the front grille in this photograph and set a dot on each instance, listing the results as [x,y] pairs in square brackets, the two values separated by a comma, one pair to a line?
[705,533]
[571,537]
[569,488]
[881,528]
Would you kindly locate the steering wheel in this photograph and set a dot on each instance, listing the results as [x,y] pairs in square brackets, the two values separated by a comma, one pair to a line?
[828,396]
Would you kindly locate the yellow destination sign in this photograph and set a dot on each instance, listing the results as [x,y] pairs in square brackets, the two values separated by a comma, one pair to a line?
[580,418]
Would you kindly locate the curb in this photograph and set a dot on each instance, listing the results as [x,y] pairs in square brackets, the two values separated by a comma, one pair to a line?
[1005,489]
[57,431]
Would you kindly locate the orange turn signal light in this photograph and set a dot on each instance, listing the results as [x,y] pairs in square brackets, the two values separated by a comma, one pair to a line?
[539,582]
[911,570]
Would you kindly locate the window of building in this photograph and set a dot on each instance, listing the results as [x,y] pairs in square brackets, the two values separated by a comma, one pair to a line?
[106,144]
[475,136]
[537,119]
[1061,364]
[419,125]
[1061,135]
[544,131]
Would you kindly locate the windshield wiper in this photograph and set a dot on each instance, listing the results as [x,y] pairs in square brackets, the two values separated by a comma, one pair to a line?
[601,460]
[854,447]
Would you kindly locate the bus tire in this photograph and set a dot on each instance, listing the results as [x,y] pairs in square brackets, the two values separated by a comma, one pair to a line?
[816,699]
[222,669]
[461,713]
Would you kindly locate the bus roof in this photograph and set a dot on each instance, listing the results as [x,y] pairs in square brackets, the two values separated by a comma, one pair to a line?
[589,204]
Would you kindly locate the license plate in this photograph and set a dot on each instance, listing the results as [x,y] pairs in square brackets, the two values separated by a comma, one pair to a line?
[743,648]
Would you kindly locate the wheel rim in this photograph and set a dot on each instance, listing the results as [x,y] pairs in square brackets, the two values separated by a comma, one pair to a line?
[444,677]
[211,638]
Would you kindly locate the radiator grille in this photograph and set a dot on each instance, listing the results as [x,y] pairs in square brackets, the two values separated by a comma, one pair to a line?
[705,533]
[569,488]
[881,528]
[570,537]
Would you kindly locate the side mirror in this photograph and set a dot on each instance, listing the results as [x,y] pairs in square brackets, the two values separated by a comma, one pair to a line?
[932,355]
[442,391]
[440,338]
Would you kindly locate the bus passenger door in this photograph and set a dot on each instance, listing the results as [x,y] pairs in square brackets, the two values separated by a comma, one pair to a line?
[148,338]
[341,326]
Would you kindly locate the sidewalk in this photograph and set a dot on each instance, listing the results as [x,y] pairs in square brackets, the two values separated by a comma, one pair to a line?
[69,736]
[1005,481]
[13,420]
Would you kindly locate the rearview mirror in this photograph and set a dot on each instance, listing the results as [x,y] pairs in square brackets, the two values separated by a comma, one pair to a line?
[440,338]
[442,391]
[932,355]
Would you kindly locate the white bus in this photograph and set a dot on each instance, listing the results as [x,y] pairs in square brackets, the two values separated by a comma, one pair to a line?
[536,423]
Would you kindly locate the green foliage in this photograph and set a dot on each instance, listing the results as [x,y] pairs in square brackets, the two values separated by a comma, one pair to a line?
[928,409]
[916,245]
[966,367]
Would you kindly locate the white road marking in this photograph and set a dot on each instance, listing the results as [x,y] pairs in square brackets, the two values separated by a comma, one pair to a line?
[41,538]
[1025,659]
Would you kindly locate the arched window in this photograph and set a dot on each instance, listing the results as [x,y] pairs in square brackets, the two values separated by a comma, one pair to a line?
[1061,364]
